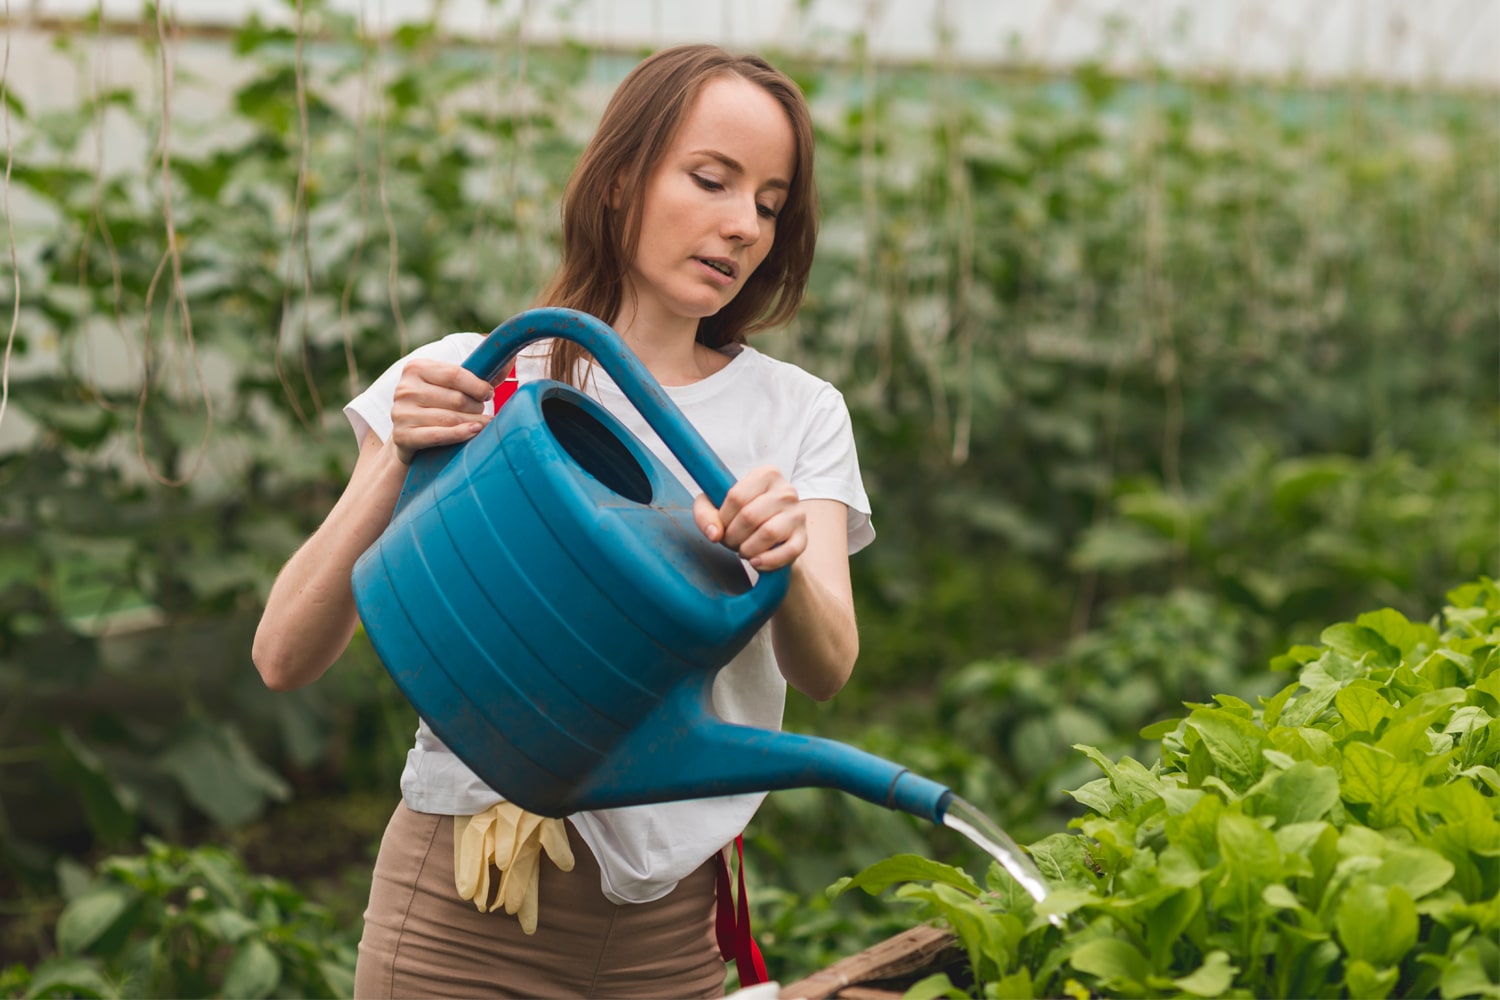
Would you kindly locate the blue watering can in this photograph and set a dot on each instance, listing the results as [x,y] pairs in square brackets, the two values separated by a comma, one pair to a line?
[546,602]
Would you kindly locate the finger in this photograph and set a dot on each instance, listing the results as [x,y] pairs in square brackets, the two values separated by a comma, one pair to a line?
[423,419]
[454,378]
[416,394]
[708,518]
[778,498]
[411,439]
[747,490]
[776,543]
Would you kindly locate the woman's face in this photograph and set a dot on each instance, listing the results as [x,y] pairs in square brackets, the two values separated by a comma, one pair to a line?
[708,215]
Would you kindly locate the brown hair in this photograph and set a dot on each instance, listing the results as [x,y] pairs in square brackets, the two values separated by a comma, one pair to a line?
[601,222]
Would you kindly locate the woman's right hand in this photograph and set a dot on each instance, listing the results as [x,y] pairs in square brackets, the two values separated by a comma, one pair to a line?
[436,404]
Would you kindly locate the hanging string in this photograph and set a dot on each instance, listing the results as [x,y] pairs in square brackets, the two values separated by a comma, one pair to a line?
[97,219]
[362,195]
[961,214]
[870,216]
[10,231]
[528,256]
[382,164]
[298,241]
[173,257]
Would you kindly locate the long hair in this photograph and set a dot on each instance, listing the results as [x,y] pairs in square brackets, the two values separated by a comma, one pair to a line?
[602,205]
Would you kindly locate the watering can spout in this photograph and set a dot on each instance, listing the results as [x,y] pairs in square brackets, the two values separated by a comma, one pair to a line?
[686,751]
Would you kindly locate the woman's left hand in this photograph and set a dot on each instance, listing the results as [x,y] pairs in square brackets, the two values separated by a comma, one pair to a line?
[761,519]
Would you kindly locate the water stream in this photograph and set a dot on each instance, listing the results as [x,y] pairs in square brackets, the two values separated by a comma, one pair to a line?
[987,835]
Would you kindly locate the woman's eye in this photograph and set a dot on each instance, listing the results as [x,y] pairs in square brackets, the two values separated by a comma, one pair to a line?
[767,212]
[708,183]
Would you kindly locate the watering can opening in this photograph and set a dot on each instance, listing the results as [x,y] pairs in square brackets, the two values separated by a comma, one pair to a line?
[596,448]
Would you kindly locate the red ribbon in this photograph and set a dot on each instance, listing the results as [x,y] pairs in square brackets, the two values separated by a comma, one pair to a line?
[505,389]
[735,942]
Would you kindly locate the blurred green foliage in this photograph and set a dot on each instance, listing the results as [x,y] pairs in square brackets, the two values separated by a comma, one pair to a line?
[188,922]
[1151,378]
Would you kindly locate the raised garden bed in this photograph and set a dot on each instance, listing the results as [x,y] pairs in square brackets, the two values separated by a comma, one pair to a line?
[886,970]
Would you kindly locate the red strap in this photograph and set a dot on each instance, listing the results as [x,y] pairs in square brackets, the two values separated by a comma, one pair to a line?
[505,389]
[735,942]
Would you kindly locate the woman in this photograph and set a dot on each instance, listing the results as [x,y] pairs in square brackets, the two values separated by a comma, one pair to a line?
[688,224]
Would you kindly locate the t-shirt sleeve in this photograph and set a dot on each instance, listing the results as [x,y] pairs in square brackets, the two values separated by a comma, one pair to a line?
[370,411]
[827,465]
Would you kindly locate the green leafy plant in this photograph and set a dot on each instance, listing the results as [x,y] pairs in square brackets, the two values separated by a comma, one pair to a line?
[1340,839]
[188,922]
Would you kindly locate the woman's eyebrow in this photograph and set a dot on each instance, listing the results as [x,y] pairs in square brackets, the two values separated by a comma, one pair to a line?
[739,168]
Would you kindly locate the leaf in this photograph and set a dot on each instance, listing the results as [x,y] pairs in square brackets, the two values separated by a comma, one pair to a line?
[1376,777]
[1099,795]
[1168,920]
[1016,986]
[87,918]
[69,977]
[1412,740]
[1467,719]
[1365,981]
[1363,708]
[989,937]
[339,978]
[1360,644]
[1157,730]
[1296,479]
[1113,962]
[1211,979]
[1280,897]
[1410,638]
[1117,547]
[1235,744]
[1376,924]
[1271,708]
[1473,971]
[1334,668]
[1305,708]
[936,985]
[1305,743]
[1302,793]
[16,105]
[1417,870]
[228,926]
[111,805]
[220,773]
[1131,782]
[905,868]
[1251,858]
[253,972]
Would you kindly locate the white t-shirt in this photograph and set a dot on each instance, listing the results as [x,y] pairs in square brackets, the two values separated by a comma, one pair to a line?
[754,411]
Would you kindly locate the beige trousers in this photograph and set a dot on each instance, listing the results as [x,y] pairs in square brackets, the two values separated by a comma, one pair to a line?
[422,940]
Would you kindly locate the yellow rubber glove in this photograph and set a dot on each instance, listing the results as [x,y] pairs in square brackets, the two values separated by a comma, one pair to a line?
[511,839]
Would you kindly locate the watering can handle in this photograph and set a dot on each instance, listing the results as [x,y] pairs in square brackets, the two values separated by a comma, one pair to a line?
[500,348]
[495,355]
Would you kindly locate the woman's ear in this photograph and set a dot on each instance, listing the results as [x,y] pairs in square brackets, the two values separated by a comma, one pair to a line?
[616,193]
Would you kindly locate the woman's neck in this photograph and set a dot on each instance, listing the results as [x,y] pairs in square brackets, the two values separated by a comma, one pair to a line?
[669,350]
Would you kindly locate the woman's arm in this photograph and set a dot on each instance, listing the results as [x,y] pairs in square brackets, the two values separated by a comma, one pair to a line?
[310,614]
[814,631]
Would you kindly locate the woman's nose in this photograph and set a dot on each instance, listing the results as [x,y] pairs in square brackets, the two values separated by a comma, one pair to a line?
[742,221]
